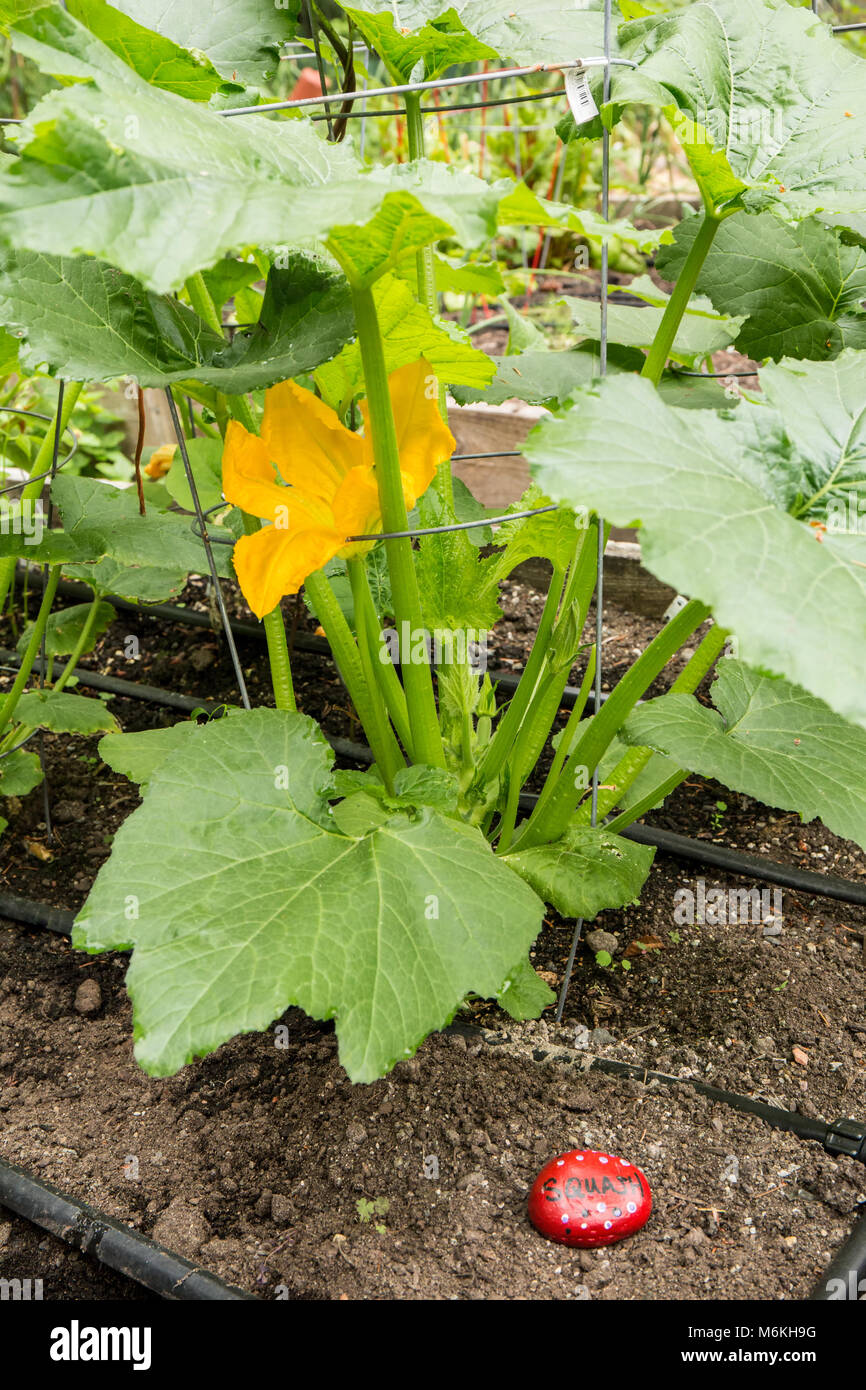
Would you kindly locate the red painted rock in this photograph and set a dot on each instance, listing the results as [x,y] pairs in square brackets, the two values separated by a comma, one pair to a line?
[587,1198]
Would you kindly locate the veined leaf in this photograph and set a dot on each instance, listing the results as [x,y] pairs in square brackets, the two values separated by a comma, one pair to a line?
[137,756]
[525,994]
[588,870]
[702,330]
[770,739]
[241,38]
[61,42]
[769,106]
[89,321]
[157,551]
[64,628]
[712,494]
[63,713]
[258,903]
[440,34]
[800,288]
[20,772]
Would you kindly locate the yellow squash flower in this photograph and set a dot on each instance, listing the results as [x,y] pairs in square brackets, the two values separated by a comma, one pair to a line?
[328,490]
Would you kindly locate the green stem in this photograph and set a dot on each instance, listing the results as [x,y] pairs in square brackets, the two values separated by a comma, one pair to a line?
[202,303]
[509,724]
[552,780]
[417,677]
[278,649]
[41,465]
[606,723]
[363,694]
[637,758]
[425,262]
[82,645]
[8,707]
[381,669]
[678,302]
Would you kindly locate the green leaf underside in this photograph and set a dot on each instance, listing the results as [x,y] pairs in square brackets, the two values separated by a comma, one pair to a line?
[260,904]
[701,332]
[241,38]
[712,494]
[66,49]
[588,870]
[769,739]
[440,33]
[800,288]
[63,713]
[769,106]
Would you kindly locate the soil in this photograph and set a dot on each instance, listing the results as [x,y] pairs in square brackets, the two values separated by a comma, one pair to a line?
[254,1160]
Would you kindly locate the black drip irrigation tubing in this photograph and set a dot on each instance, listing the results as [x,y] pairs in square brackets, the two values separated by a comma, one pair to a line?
[116,1246]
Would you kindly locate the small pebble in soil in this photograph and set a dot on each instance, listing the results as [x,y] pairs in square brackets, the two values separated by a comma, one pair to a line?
[587,1198]
[88,997]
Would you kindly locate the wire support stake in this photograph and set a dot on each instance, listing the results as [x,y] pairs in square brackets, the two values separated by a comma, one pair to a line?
[206,540]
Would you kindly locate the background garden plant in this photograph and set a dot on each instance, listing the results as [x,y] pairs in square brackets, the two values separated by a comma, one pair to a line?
[132,212]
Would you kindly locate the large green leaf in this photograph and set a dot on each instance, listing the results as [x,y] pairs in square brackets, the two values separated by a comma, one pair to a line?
[57,42]
[588,870]
[702,330]
[713,492]
[440,34]
[769,739]
[800,288]
[770,108]
[242,38]
[88,321]
[239,899]
[20,772]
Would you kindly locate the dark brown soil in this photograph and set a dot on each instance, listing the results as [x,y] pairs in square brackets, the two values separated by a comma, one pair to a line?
[260,1161]
[254,1160]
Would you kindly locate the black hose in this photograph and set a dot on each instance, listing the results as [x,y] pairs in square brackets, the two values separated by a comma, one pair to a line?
[117,1246]
[844,1279]
[33,914]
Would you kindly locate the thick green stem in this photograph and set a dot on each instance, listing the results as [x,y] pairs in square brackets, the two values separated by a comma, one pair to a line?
[425,262]
[509,724]
[381,669]
[606,723]
[417,676]
[8,707]
[363,693]
[564,749]
[278,649]
[202,303]
[678,302]
[41,465]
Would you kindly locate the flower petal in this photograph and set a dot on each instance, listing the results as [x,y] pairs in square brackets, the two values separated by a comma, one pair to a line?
[274,562]
[248,475]
[307,441]
[356,509]
[423,438]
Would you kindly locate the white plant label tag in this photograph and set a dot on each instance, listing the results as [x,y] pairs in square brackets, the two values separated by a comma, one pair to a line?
[580,98]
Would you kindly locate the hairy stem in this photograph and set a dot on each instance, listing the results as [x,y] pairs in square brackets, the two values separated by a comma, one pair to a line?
[379,666]
[7,709]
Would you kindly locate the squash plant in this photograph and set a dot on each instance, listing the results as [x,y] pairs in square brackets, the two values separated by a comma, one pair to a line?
[254,875]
